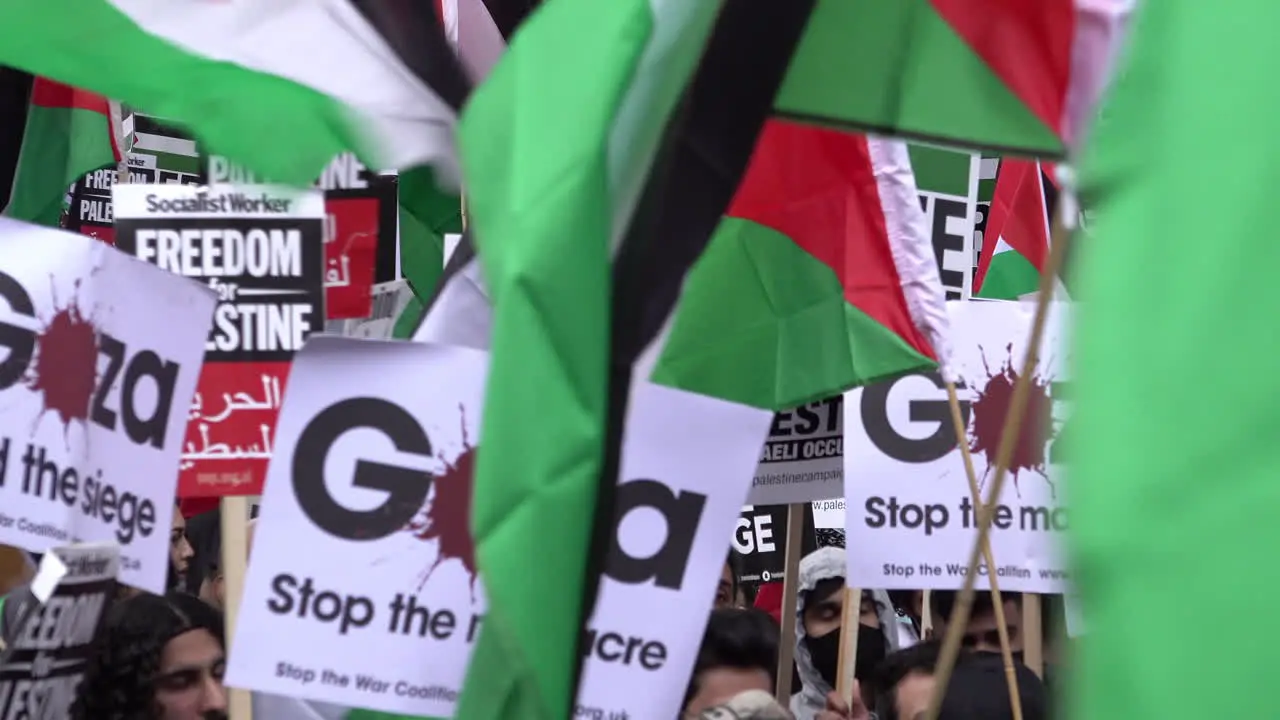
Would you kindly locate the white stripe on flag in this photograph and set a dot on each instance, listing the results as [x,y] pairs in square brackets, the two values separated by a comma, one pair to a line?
[912,245]
[323,44]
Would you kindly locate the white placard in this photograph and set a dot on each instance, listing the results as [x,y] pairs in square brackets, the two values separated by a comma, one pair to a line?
[54,646]
[693,454]
[101,354]
[803,459]
[909,510]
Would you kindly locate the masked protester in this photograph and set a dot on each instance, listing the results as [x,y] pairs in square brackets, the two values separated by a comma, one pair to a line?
[818,618]
[157,658]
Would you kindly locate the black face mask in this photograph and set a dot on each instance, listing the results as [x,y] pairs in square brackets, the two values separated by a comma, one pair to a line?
[824,651]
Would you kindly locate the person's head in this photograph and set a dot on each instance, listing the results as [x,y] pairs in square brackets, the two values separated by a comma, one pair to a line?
[157,658]
[204,534]
[180,551]
[739,652]
[822,621]
[821,605]
[212,588]
[910,603]
[981,633]
[727,587]
[904,683]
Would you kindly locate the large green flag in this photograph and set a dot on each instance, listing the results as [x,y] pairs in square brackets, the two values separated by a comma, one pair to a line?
[556,146]
[1177,475]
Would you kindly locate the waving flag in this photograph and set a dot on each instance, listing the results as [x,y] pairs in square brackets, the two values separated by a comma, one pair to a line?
[1013,75]
[1174,488]
[279,87]
[1017,235]
[588,212]
[68,133]
[821,278]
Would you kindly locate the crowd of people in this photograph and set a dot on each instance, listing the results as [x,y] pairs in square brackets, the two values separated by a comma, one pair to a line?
[163,657]
[894,669]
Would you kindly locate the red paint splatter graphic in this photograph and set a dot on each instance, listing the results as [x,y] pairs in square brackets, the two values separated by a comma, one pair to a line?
[447,517]
[989,410]
[65,367]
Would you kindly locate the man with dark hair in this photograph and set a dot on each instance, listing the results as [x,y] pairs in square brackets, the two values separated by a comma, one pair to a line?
[981,633]
[903,684]
[739,653]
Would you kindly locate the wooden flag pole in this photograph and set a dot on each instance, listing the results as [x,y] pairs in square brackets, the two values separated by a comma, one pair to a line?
[847,666]
[959,619]
[790,600]
[1002,628]
[1033,633]
[235,556]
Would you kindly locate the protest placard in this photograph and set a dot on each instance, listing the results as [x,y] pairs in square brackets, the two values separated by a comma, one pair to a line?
[910,515]
[947,181]
[389,300]
[52,648]
[260,248]
[360,229]
[372,477]
[100,359]
[803,458]
[761,539]
[88,210]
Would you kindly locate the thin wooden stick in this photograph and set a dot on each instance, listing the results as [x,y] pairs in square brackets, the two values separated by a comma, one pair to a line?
[1033,633]
[790,594]
[959,619]
[847,665]
[235,555]
[1002,628]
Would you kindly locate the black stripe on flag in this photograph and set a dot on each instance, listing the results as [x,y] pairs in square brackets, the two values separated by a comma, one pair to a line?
[15,93]
[705,151]
[509,14]
[413,32]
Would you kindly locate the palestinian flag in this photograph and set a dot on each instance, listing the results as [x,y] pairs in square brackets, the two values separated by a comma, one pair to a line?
[824,274]
[1018,77]
[371,76]
[627,190]
[68,133]
[821,278]
[1016,242]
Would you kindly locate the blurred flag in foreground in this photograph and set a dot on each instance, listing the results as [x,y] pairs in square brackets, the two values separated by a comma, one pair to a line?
[588,211]
[1174,483]
[279,87]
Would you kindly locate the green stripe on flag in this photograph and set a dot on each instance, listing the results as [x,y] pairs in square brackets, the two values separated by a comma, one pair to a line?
[91,44]
[941,170]
[1010,276]
[897,66]
[427,214]
[59,145]
[556,146]
[1175,464]
[788,306]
